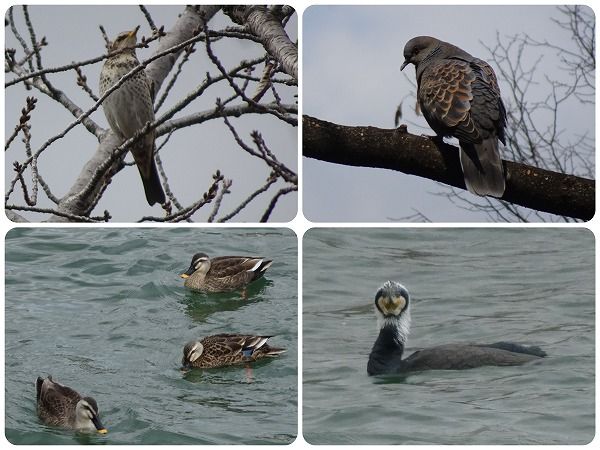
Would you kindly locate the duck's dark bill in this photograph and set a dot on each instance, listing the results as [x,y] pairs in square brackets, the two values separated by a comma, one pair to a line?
[99,426]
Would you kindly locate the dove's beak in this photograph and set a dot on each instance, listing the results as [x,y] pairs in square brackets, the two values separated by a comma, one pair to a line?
[404,64]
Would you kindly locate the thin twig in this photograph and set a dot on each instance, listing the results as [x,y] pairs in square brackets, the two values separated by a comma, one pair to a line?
[23,120]
[269,210]
[251,197]
[224,72]
[186,56]
[73,217]
[217,204]
[148,18]
[19,38]
[264,153]
[86,62]
[107,42]
[186,213]
[82,82]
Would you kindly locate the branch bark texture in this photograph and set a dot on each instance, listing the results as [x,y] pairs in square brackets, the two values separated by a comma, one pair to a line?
[263,24]
[542,190]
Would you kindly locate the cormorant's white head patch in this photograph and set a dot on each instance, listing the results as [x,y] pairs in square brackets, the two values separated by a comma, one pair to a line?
[391,299]
[392,308]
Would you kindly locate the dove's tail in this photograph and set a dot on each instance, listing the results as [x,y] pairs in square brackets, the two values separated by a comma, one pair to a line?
[482,167]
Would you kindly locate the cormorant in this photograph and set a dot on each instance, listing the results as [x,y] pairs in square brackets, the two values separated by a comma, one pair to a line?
[392,308]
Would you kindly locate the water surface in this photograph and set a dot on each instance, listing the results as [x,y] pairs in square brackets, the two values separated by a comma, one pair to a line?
[104,311]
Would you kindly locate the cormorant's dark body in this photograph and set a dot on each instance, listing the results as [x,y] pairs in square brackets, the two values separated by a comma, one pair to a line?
[386,356]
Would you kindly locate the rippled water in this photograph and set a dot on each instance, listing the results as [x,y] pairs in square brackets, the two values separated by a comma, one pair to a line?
[534,286]
[104,311]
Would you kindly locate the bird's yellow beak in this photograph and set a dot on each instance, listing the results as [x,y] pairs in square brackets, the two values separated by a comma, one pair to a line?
[133,32]
[102,431]
[184,275]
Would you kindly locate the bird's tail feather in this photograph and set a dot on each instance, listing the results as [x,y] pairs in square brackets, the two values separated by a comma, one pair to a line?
[144,160]
[482,167]
[152,186]
[38,387]
[274,351]
[518,348]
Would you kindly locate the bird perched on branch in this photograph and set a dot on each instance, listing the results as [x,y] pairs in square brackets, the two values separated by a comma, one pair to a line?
[129,108]
[459,96]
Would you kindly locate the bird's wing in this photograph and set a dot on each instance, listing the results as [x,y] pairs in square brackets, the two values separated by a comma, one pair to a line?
[445,94]
[487,108]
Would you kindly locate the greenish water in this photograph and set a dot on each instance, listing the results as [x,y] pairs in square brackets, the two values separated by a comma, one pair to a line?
[104,311]
[534,286]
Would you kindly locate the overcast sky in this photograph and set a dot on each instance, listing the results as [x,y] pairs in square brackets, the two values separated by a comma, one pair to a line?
[192,154]
[351,76]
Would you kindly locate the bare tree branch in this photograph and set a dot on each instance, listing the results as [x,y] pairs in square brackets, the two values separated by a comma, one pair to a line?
[188,26]
[271,207]
[261,22]
[224,190]
[231,111]
[270,181]
[186,213]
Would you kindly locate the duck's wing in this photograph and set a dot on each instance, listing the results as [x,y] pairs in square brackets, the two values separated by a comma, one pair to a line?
[226,266]
[56,400]
[233,344]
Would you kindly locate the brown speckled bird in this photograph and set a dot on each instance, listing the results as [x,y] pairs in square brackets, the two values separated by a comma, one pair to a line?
[129,108]
[459,96]
[227,349]
[224,273]
[61,406]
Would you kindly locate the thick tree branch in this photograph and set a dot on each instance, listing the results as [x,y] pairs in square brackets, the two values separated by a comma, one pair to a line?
[528,186]
[262,23]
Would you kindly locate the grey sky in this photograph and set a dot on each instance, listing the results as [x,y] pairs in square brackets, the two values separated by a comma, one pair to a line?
[191,156]
[351,76]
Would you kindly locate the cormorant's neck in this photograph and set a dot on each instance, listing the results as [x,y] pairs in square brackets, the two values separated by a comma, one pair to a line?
[386,354]
[387,351]
[390,339]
